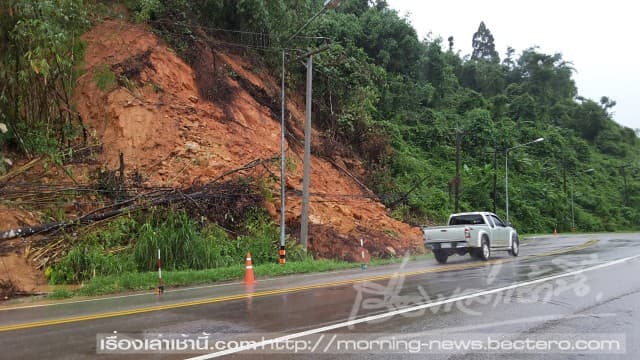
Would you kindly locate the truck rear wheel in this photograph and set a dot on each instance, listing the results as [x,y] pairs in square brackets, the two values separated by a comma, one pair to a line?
[441,256]
[515,246]
[485,249]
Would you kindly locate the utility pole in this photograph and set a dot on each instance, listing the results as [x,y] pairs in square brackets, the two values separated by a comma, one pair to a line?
[304,221]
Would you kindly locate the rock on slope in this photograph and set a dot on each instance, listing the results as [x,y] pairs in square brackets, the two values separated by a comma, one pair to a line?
[173,136]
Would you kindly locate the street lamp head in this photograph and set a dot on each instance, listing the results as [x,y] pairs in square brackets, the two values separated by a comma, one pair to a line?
[538,140]
[590,170]
[331,4]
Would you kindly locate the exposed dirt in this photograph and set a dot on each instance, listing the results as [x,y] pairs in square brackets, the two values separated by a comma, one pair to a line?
[174,137]
[17,275]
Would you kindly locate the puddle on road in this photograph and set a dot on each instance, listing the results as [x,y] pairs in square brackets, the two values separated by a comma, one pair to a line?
[624,242]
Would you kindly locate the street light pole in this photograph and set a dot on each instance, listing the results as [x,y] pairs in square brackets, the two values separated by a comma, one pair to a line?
[506,171]
[573,219]
[282,252]
[624,178]
[304,216]
[506,182]
[304,220]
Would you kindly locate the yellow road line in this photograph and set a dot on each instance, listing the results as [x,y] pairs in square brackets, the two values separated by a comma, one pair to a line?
[563,251]
[142,310]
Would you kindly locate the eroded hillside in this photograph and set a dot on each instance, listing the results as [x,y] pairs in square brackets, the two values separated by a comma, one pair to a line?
[174,137]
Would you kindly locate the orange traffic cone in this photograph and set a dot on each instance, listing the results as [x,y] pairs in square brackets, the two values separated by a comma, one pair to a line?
[248,273]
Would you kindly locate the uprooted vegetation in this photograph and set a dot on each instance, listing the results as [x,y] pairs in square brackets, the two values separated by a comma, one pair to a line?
[205,226]
[146,219]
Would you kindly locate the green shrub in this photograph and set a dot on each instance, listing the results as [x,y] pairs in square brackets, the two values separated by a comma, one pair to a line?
[85,262]
[181,245]
[105,78]
[144,9]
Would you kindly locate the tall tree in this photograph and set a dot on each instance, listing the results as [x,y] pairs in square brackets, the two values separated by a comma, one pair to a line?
[483,45]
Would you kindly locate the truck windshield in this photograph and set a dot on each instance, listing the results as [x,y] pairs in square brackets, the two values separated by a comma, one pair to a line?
[466,220]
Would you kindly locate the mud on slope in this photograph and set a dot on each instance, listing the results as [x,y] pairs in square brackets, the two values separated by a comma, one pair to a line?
[16,271]
[173,136]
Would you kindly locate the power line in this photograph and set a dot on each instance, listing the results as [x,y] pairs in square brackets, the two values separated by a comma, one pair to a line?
[258,37]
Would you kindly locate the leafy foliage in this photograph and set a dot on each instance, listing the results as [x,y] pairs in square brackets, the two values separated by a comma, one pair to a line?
[39,48]
[395,99]
[398,102]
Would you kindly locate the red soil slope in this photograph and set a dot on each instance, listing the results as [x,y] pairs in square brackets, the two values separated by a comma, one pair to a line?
[173,136]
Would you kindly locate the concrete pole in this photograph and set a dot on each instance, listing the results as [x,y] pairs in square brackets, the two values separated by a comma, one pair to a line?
[304,220]
[282,163]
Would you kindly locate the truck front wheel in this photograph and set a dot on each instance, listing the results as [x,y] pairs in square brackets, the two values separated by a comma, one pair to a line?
[441,256]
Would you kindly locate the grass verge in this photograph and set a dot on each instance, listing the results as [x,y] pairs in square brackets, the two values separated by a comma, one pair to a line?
[136,281]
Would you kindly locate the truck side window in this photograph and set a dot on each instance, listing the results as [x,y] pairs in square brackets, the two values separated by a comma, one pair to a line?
[497,221]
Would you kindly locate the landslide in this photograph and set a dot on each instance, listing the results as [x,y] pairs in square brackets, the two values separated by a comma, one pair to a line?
[157,116]
[18,276]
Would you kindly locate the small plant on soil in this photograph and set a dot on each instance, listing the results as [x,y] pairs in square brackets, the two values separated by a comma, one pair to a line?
[105,78]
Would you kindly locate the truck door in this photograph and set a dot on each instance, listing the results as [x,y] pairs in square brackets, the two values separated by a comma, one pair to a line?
[501,233]
[492,227]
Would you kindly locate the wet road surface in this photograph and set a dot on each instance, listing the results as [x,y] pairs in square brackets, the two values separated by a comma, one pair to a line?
[500,301]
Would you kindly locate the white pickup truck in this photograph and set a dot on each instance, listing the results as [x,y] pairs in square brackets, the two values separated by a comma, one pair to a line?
[476,233]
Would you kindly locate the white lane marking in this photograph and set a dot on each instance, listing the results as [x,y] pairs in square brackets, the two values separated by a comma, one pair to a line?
[401,311]
[531,319]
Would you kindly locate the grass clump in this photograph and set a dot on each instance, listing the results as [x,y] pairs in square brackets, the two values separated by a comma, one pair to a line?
[130,244]
[60,293]
[105,78]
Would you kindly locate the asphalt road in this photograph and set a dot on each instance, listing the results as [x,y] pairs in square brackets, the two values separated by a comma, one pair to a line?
[564,297]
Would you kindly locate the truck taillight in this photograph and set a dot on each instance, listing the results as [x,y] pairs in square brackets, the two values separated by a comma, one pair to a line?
[467,234]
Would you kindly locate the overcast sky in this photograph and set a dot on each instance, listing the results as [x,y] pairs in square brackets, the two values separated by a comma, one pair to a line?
[600,38]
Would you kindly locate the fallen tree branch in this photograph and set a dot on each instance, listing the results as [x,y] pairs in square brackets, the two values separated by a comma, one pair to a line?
[248,166]
[20,170]
[346,172]
[142,201]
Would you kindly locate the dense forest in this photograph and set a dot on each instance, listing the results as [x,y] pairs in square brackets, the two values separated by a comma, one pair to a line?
[432,125]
